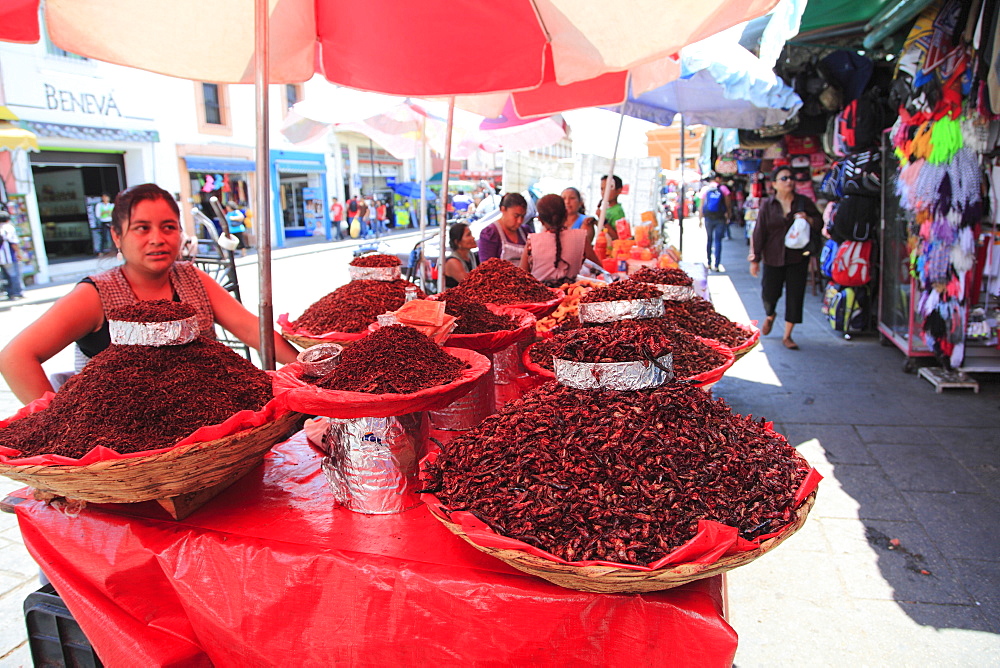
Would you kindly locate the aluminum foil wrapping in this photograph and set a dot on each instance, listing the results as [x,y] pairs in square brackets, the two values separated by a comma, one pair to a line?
[677,293]
[507,367]
[320,359]
[374,273]
[372,463]
[628,309]
[468,411]
[168,333]
[614,375]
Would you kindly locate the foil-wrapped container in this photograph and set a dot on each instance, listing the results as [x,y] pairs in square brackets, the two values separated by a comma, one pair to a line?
[468,411]
[507,368]
[372,463]
[676,293]
[320,359]
[639,375]
[626,309]
[374,273]
[167,333]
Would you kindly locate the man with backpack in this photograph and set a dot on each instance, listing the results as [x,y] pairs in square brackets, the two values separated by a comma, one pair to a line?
[716,210]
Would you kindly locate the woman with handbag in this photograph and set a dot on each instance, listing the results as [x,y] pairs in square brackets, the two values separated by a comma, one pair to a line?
[785,223]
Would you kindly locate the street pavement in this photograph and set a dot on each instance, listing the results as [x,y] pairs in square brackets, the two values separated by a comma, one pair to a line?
[898,563]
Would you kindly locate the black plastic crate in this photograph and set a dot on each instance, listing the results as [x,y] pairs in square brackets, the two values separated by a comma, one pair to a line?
[54,636]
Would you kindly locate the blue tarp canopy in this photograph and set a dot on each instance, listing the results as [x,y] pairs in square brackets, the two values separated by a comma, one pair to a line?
[412,189]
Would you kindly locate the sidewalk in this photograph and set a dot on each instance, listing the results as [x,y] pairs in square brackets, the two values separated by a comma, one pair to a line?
[899,563]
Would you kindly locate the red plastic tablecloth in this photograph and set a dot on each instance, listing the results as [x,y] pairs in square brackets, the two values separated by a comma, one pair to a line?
[270,572]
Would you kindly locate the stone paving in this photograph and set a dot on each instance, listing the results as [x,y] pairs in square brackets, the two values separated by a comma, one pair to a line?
[898,563]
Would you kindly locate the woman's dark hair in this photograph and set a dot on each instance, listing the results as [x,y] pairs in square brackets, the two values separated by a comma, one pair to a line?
[126,200]
[455,235]
[582,208]
[513,199]
[780,169]
[552,215]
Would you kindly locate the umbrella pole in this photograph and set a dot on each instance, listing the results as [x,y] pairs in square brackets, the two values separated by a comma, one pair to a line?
[443,209]
[680,238]
[423,178]
[611,172]
[261,81]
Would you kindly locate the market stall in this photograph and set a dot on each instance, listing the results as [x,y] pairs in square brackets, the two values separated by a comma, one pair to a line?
[272,569]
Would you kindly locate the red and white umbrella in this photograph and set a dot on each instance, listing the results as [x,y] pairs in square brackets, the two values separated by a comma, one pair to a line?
[552,55]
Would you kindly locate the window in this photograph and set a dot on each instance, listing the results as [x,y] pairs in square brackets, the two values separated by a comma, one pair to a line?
[293,93]
[213,111]
[212,102]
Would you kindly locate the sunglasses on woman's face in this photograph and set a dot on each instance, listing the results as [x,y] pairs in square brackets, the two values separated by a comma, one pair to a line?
[784,178]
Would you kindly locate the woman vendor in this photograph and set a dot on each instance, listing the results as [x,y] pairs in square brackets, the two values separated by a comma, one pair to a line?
[146,229]
[462,260]
[556,254]
[785,269]
[505,238]
[576,214]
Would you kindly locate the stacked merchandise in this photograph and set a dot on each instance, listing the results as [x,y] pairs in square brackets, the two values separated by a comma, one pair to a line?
[944,137]
[853,186]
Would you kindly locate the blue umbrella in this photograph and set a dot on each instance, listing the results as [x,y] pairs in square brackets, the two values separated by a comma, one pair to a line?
[725,86]
[412,189]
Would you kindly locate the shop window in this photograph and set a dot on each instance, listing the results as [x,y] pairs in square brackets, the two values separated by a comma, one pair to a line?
[213,108]
[293,94]
[51,48]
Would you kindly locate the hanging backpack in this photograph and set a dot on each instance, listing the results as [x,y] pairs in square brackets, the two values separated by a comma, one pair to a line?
[715,201]
[849,310]
[852,265]
[826,257]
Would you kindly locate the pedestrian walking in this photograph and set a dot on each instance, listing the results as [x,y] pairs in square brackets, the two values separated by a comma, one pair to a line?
[785,269]
[716,210]
[337,217]
[101,232]
[10,257]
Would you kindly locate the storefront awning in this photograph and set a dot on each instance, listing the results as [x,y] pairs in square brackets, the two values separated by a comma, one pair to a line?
[90,134]
[13,138]
[300,166]
[198,163]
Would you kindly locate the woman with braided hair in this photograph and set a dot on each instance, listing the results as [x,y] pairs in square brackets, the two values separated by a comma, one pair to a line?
[555,254]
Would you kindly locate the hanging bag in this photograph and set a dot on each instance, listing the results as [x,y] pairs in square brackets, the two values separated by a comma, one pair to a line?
[852,266]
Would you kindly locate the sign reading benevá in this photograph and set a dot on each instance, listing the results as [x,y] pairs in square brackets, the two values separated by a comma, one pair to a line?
[88,103]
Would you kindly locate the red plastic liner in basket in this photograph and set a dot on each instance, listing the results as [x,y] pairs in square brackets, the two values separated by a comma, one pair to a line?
[491,342]
[712,541]
[237,423]
[711,376]
[328,337]
[313,400]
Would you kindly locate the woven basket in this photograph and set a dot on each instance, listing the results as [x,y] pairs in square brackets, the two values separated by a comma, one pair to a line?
[187,468]
[611,580]
[306,342]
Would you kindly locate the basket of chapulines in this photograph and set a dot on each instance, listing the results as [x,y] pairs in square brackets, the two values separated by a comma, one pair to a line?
[487,328]
[625,300]
[500,282]
[160,413]
[701,362]
[395,370]
[343,316]
[375,267]
[675,284]
[620,492]
[375,400]
[698,316]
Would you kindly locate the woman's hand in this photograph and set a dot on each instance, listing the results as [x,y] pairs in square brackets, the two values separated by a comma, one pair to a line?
[754,268]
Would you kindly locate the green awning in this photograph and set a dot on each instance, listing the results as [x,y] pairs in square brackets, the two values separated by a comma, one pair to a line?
[821,14]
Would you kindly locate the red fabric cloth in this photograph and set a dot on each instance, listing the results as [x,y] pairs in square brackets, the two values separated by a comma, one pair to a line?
[271,569]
